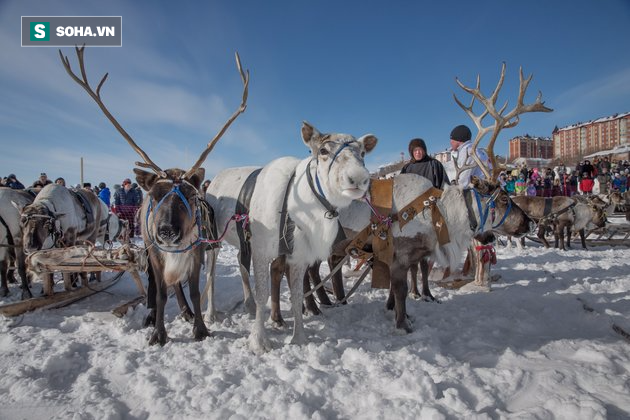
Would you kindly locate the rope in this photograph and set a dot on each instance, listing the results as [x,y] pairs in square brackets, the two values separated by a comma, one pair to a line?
[487,254]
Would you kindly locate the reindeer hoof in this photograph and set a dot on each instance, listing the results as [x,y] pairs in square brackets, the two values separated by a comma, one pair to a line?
[278,322]
[311,309]
[4,291]
[430,298]
[149,321]
[390,303]
[26,294]
[414,296]
[159,336]
[187,315]
[258,344]
[200,332]
[404,327]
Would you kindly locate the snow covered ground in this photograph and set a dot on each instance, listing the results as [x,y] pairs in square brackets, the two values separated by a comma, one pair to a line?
[528,349]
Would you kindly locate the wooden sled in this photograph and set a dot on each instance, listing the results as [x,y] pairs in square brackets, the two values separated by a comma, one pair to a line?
[58,300]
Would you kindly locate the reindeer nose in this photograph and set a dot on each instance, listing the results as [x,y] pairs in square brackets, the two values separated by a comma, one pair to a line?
[167,232]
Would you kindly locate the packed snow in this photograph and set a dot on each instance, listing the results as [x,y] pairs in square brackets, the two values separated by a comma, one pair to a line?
[539,345]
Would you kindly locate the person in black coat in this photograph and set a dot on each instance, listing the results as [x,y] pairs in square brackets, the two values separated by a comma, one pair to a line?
[424,165]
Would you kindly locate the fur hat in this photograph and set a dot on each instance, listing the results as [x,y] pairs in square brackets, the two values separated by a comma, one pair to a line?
[417,143]
[461,133]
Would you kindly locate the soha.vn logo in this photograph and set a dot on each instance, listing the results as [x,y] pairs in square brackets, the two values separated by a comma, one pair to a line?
[40,31]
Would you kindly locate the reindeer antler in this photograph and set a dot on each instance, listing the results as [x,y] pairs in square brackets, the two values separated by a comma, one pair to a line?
[509,120]
[148,163]
[83,82]
[239,111]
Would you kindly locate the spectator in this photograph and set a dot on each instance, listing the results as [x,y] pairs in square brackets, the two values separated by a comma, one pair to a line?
[556,189]
[204,186]
[126,204]
[60,181]
[586,184]
[520,187]
[424,165]
[104,194]
[461,145]
[510,185]
[87,186]
[604,180]
[138,191]
[42,181]
[531,187]
[12,182]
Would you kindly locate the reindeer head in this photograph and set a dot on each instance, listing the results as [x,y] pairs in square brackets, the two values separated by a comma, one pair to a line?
[508,218]
[171,215]
[40,227]
[339,162]
[598,215]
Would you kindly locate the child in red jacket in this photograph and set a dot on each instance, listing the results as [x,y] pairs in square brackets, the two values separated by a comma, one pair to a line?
[586,184]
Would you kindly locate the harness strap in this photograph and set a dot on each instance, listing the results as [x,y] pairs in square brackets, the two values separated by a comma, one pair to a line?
[85,204]
[10,241]
[287,225]
[242,207]
[548,205]
[427,199]
[331,211]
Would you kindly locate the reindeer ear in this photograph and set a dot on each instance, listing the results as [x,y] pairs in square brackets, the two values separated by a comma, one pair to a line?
[310,136]
[145,179]
[197,177]
[369,142]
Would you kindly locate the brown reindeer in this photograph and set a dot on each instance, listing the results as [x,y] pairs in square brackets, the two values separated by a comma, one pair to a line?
[172,215]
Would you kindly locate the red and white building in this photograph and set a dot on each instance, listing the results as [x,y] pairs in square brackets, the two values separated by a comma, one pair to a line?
[572,143]
[528,147]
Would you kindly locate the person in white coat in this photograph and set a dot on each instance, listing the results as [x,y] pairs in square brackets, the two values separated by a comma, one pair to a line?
[461,146]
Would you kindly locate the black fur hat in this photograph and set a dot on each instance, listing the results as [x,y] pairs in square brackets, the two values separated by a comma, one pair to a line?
[417,143]
[461,133]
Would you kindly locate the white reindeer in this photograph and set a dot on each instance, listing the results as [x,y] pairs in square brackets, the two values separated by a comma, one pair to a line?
[11,249]
[310,191]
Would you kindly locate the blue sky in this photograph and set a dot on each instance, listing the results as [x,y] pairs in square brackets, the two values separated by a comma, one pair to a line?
[381,67]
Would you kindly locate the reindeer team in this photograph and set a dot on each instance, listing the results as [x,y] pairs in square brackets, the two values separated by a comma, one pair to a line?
[288,216]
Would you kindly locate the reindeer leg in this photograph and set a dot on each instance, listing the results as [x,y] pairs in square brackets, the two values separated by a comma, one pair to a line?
[211,263]
[399,289]
[541,235]
[313,273]
[21,266]
[250,305]
[159,335]
[425,268]
[310,306]
[185,310]
[151,299]
[200,331]
[391,300]
[297,272]
[278,268]
[4,268]
[258,340]
[583,238]
[337,280]
[413,282]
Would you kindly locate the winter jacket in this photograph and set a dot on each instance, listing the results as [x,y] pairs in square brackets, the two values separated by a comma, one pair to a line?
[586,185]
[105,195]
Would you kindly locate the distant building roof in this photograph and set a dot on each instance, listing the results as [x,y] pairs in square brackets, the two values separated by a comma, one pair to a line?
[599,120]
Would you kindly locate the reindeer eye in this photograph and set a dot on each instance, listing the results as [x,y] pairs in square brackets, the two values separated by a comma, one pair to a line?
[363,154]
[323,151]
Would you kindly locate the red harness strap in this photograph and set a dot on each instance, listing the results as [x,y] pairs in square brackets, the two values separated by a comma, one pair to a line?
[487,254]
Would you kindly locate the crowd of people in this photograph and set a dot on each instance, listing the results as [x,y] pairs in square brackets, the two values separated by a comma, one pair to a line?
[125,201]
[563,181]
